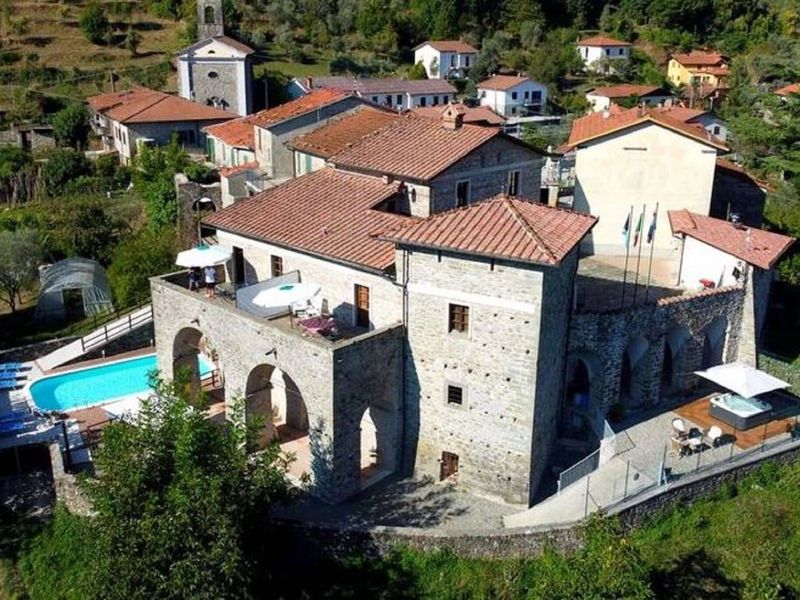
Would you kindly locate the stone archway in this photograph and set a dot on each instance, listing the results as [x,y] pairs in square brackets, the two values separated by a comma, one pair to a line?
[674,366]
[192,364]
[258,404]
[714,336]
[580,401]
[377,448]
[633,371]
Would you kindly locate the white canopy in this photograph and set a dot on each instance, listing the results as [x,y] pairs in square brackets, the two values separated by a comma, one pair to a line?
[290,294]
[742,379]
[203,256]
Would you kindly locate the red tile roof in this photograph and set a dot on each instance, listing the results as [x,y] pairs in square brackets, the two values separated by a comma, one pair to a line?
[681,113]
[501,227]
[718,71]
[449,46]
[368,86]
[601,40]
[755,246]
[599,125]
[328,213]
[628,89]
[698,58]
[241,47]
[502,82]
[414,147]
[477,115]
[238,133]
[300,106]
[248,166]
[344,132]
[792,88]
[142,105]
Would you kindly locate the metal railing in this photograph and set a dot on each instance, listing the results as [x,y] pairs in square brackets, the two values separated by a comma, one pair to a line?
[107,333]
[579,470]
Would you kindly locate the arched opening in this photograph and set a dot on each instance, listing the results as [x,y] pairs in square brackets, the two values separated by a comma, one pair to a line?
[376,448]
[274,402]
[369,445]
[714,343]
[193,364]
[673,370]
[630,392]
[208,15]
[579,405]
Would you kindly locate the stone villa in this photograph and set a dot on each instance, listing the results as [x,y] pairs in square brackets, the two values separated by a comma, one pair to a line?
[471,323]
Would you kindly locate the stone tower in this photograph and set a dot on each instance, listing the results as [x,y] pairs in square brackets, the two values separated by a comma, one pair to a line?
[209,19]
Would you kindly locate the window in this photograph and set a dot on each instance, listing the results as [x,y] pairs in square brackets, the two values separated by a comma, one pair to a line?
[309,163]
[388,100]
[435,100]
[374,99]
[455,395]
[361,297]
[513,95]
[536,97]
[458,319]
[276,264]
[527,95]
[423,101]
[448,465]
[238,265]
[621,51]
[213,75]
[452,60]
[186,136]
[716,129]
[462,193]
[513,183]
[208,15]
[399,100]
[466,61]
[445,99]
[608,52]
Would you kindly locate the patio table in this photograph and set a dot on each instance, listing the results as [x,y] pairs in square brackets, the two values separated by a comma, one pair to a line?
[319,325]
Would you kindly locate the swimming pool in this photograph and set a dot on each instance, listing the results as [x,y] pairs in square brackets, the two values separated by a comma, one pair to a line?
[97,385]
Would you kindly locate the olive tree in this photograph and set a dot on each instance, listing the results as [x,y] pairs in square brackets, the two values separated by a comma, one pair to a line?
[20,256]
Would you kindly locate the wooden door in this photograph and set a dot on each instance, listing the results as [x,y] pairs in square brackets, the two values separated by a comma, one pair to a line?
[362,305]
[449,465]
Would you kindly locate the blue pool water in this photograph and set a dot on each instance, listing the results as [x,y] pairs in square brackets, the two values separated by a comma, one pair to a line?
[95,385]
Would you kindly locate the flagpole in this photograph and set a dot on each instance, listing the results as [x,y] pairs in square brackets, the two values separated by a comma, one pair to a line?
[639,239]
[627,253]
[652,245]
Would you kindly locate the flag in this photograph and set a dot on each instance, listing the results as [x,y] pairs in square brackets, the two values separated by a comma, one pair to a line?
[638,230]
[651,232]
[626,231]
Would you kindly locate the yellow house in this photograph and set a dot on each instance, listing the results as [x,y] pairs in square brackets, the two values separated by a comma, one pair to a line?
[707,70]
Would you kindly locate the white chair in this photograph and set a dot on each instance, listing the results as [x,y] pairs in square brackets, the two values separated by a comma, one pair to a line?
[679,427]
[712,436]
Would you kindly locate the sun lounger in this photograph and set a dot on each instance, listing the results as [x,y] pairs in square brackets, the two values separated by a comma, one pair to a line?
[9,384]
[16,415]
[12,366]
[12,427]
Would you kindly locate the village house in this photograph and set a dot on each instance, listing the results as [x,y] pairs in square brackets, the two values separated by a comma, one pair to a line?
[473,115]
[398,94]
[600,53]
[445,59]
[705,118]
[513,96]
[650,95]
[125,120]
[639,156]
[704,75]
[217,70]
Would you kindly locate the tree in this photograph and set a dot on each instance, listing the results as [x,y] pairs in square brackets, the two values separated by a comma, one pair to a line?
[71,126]
[153,177]
[132,41]
[83,227]
[178,503]
[417,71]
[94,24]
[63,166]
[138,257]
[20,256]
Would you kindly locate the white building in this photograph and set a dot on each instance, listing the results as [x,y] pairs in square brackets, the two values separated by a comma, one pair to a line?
[445,58]
[650,95]
[391,92]
[599,52]
[513,96]
[637,158]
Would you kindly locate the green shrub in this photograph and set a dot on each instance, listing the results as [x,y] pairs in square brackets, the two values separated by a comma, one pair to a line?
[62,166]
[137,258]
[94,24]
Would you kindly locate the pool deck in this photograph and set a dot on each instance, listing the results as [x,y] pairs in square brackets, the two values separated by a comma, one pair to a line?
[101,361]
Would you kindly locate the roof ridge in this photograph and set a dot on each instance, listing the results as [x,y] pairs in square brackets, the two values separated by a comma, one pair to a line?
[527,228]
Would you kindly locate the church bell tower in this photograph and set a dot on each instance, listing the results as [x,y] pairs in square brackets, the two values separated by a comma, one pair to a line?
[209,19]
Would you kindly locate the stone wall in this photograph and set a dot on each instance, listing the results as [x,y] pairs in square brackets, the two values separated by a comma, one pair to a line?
[141,337]
[329,376]
[188,193]
[224,86]
[640,335]
[495,363]
[66,485]
[33,351]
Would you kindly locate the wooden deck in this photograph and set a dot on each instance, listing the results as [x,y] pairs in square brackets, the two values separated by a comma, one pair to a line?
[698,413]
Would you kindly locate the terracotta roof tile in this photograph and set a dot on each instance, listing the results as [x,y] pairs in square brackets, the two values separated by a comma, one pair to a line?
[328,213]
[449,46]
[414,147]
[755,246]
[343,132]
[502,82]
[681,113]
[300,106]
[142,105]
[698,58]
[248,166]
[502,227]
[477,115]
[792,88]
[241,47]
[238,133]
[601,40]
[598,125]
[628,89]
[367,86]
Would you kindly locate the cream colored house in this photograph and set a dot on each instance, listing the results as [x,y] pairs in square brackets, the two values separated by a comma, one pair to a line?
[637,158]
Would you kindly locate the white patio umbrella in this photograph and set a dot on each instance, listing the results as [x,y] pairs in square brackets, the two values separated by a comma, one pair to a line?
[743,379]
[203,256]
[286,295]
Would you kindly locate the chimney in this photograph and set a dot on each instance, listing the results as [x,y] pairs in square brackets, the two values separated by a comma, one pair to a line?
[606,113]
[452,118]
[309,83]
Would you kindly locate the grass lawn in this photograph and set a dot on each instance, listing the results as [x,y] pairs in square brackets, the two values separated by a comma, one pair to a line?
[272,59]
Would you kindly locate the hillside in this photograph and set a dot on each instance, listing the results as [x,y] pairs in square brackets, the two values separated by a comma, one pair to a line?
[44,54]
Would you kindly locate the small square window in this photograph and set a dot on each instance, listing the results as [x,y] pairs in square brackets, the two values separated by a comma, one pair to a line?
[435,100]
[399,99]
[276,263]
[458,318]
[462,193]
[513,95]
[513,183]
[455,395]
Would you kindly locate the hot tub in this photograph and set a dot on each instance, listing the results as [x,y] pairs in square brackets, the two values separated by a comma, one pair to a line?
[739,412]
